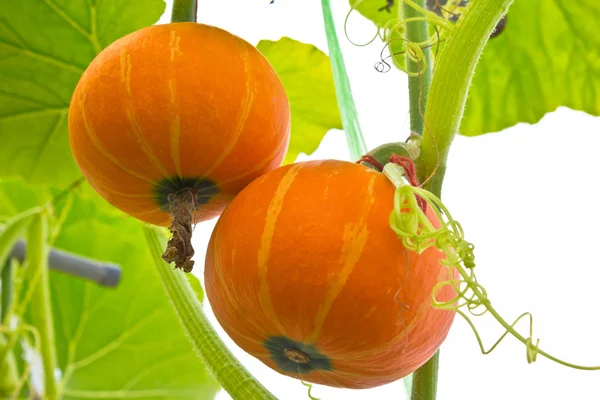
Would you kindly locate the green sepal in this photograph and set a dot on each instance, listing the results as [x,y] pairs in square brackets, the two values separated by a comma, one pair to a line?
[383,153]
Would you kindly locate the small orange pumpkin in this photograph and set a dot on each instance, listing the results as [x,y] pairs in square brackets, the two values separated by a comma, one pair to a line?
[304,272]
[177,106]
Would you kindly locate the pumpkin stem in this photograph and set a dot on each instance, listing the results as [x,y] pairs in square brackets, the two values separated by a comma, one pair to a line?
[179,248]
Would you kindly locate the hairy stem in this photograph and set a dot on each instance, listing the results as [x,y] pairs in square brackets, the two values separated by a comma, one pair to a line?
[234,378]
[184,11]
[450,85]
[418,86]
[40,307]
[443,112]
[424,381]
[354,136]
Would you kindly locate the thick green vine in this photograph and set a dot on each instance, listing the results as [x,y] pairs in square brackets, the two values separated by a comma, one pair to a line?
[419,64]
[450,85]
[234,378]
[443,103]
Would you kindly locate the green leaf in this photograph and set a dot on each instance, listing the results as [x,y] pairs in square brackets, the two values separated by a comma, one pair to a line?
[116,343]
[547,56]
[379,11]
[45,45]
[306,75]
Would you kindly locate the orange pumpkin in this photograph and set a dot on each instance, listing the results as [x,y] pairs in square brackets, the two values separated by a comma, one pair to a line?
[177,106]
[304,272]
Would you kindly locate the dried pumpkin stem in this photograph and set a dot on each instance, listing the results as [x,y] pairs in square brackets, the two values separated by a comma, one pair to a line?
[179,248]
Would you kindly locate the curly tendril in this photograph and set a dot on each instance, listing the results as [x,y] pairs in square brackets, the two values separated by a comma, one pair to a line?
[394,30]
[417,233]
[310,388]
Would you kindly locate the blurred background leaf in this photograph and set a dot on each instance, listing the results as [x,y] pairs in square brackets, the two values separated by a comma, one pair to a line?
[113,343]
[547,56]
[308,80]
[45,45]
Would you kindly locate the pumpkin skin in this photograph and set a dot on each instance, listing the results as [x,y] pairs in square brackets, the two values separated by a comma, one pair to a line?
[181,105]
[302,265]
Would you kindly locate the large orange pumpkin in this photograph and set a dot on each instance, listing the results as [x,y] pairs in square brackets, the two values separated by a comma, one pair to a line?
[304,272]
[177,106]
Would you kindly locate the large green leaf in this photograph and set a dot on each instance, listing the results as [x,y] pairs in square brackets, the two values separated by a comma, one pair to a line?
[45,45]
[115,343]
[548,55]
[306,74]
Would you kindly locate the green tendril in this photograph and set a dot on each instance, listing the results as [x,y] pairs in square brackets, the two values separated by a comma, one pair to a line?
[310,388]
[395,30]
[417,233]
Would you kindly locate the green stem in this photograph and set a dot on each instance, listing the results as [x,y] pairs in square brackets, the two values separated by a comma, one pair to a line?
[424,380]
[443,112]
[354,136]
[234,378]
[9,372]
[40,307]
[450,85]
[424,383]
[418,86]
[9,376]
[7,293]
[184,11]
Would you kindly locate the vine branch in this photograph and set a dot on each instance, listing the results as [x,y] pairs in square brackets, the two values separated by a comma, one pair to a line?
[450,85]
[443,100]
[216,357]
[40,308]
[418,85]
[184,11]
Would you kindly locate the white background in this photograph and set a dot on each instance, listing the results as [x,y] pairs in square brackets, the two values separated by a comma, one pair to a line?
[527,198]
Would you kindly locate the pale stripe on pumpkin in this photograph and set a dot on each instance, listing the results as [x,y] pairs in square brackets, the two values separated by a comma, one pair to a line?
[96,142]
[125,60]
[264,296]
[257,167]
[175,126]
[246,106]
[354,240]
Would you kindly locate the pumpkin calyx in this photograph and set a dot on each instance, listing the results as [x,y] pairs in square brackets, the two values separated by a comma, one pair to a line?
[179,250]
[296,356]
